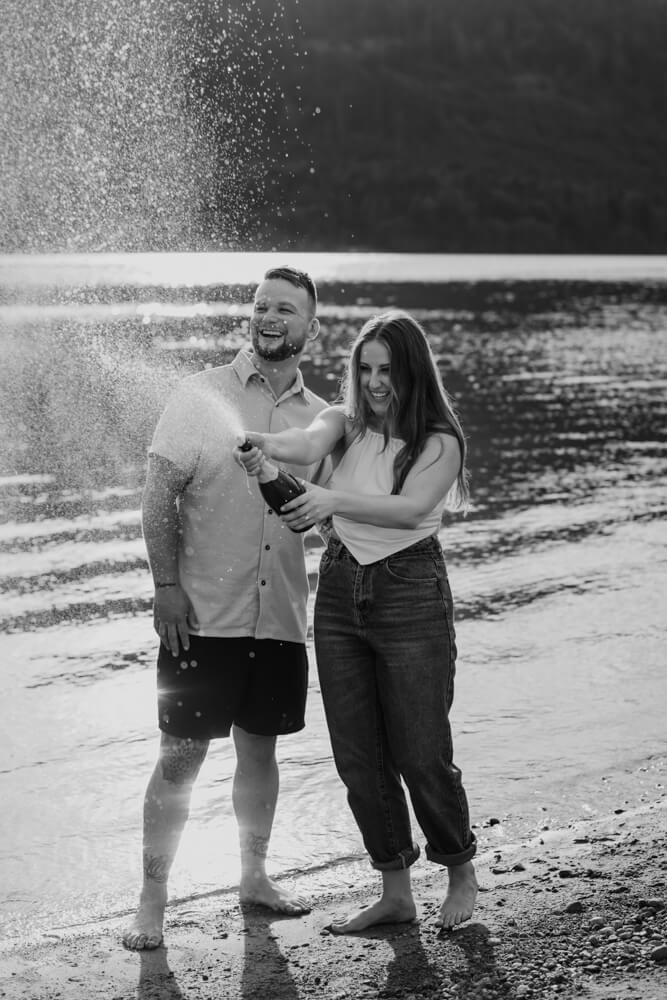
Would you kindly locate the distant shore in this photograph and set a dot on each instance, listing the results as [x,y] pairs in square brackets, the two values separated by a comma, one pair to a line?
[578,912]
[208,270]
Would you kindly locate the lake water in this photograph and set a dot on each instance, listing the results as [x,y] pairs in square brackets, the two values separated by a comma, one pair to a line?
[559,369]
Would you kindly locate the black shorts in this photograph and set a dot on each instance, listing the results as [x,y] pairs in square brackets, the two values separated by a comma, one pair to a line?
[257,684]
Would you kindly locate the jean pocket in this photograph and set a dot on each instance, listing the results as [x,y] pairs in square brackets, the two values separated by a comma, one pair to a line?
[414,567]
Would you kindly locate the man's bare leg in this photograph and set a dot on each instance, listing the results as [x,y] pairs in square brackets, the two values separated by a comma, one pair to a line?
[395,906]
[166,809]
[460,899]
[254,795]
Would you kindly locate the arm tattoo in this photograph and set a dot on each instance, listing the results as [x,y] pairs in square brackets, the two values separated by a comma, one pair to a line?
[252,843]
[156,867]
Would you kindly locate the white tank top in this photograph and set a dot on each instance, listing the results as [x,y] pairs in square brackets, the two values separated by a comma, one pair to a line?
[366,468]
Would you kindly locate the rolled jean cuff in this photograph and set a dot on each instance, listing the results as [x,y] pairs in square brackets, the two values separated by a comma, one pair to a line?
[404,859]
[452,860]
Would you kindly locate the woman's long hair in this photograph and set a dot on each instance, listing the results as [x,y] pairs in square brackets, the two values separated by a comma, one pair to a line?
[419,405]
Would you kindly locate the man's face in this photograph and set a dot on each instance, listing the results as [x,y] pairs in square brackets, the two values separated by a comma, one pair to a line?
[281,321]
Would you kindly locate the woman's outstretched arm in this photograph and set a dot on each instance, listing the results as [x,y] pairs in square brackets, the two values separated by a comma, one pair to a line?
[300,446]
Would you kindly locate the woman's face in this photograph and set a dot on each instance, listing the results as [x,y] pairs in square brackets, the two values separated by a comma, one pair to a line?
[375,377]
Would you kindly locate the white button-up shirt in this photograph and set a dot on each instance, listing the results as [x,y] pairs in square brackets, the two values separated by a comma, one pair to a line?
[241,566]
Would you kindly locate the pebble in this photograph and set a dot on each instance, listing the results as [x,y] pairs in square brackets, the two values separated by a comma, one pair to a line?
[659,954]
[575,907]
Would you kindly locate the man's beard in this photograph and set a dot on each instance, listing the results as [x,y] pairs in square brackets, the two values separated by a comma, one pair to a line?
[282,350]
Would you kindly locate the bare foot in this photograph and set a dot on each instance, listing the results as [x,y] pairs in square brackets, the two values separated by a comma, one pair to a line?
[264,892]
[460,899]
[145,931]
[385,911]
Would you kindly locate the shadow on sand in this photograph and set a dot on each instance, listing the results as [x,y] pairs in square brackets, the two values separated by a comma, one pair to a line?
[156,980]
[465,961]
[265,968]
[479,968]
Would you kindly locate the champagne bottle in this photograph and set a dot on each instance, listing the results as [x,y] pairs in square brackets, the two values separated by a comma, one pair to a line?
[277,486]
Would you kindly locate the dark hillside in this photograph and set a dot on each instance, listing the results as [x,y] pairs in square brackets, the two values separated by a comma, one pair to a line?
[433,125]
[489,125]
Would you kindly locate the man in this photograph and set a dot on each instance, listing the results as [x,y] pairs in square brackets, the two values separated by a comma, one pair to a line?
[230,595]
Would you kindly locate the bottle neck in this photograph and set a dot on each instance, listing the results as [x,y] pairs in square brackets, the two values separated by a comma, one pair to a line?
[268,472]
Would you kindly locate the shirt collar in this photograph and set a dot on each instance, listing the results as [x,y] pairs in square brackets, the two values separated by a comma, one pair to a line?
[245,369]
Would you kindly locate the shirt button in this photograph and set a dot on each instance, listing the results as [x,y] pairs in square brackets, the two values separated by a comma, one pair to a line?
[263,583]
[269,511]
[267,547]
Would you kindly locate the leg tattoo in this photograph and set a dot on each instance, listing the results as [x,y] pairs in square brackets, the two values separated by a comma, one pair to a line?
[256,845]
[181,759]
[156,867]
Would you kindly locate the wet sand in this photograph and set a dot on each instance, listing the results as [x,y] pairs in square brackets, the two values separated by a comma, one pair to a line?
[576,912]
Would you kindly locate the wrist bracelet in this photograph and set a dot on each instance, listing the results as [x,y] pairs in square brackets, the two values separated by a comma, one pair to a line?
[159,585]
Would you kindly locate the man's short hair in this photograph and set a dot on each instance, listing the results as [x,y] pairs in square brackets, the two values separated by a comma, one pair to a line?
[295,277]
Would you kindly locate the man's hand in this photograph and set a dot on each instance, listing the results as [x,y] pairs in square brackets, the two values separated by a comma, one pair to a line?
[171,609]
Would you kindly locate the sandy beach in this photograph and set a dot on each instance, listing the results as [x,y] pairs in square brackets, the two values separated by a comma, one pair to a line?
[576,912]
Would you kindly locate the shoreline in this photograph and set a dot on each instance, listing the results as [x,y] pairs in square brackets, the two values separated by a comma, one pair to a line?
[575,912]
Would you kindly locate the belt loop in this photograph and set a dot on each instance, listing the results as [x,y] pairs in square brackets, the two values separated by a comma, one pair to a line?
[336,547]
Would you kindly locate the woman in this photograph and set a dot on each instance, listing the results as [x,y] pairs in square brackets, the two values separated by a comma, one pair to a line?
[384,631]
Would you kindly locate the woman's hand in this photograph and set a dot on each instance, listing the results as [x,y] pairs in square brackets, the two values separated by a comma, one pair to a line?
[311,507]
[251,459]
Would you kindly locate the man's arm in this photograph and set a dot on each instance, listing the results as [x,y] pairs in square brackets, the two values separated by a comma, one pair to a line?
[160,523]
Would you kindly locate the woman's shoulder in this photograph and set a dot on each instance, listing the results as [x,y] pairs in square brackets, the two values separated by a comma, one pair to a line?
[337,408]
[336,414]
[443,427]
[439,442]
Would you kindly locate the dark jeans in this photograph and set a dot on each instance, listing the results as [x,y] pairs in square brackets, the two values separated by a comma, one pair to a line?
[386,652]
